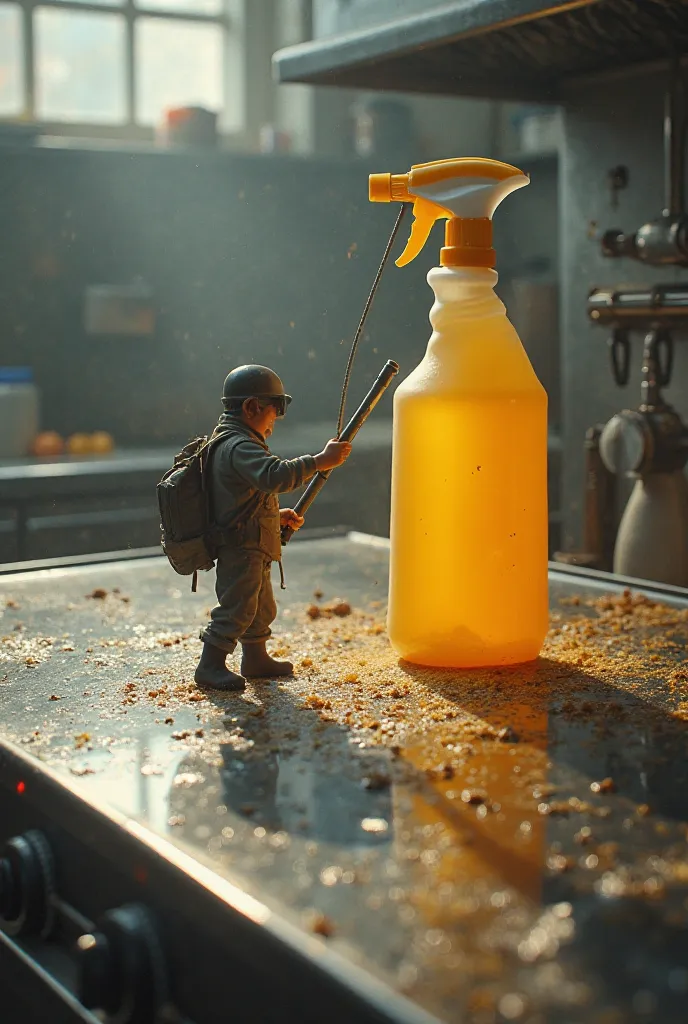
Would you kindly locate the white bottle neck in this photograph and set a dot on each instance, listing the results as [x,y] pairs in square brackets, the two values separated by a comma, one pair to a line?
[463,293]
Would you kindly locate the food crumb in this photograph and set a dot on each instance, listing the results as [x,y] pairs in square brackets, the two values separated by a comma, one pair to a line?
[337,607]
[474,796]
[320,924]
[605,786]
[374,825]
[315,702]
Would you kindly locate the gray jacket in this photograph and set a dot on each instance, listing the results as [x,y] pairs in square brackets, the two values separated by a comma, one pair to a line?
[245,481]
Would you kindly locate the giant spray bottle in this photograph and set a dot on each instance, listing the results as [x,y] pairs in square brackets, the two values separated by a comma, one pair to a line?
[468,575]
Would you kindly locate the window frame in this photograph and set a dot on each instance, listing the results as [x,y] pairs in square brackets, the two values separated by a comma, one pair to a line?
[227,18]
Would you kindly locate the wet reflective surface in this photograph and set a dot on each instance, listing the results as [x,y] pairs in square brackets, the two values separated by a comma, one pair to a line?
[464,845]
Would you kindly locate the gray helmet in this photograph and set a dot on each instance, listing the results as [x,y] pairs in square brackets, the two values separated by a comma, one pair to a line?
[254,381]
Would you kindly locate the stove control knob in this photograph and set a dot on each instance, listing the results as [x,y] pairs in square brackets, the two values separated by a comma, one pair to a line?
[27,885]
[9,892]
[122,970]
[98,975]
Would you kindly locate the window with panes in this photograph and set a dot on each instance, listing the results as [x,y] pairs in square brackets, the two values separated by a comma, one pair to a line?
[110,62]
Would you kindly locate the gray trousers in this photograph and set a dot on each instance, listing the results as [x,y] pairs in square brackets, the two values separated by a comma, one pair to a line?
[246,607]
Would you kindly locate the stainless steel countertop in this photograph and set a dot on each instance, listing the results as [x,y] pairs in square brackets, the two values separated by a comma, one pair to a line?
[472,915]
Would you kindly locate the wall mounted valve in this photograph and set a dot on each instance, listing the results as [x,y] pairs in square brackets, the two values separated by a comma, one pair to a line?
[651,438]
[664,240]
[648,443]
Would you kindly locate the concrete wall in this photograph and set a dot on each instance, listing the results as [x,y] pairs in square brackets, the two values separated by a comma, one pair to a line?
[607,122]
[250,259]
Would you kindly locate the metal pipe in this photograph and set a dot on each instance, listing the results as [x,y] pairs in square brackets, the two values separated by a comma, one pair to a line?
[652,372]
[661,305]
[674,142]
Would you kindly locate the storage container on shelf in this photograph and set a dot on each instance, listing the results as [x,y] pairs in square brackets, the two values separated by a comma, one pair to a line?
[18,411]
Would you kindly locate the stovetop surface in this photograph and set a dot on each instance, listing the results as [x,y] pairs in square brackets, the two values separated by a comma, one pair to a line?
[453,848]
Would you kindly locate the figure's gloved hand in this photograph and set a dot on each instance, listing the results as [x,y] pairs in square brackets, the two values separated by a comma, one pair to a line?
[334,454]
[290,518]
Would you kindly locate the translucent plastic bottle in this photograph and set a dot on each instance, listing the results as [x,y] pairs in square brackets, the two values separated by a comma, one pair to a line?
[468,575]
[18,411]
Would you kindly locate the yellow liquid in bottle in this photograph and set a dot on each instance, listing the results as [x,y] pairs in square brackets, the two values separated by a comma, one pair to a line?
[468,573]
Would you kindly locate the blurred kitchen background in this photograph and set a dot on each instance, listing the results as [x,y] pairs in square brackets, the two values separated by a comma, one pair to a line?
[171,205]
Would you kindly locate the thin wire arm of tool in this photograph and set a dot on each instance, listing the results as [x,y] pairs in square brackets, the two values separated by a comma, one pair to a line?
[384,379]
[364,316]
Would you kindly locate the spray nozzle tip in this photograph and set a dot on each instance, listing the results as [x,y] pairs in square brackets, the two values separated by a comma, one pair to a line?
[380,188]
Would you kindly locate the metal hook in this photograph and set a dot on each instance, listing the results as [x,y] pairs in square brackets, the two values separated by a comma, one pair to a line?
[664,354]
[620,349]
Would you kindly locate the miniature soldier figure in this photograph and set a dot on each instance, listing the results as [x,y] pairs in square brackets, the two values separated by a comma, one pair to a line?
[245,479]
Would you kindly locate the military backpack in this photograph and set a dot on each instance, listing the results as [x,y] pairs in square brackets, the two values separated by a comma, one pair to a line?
[183,499]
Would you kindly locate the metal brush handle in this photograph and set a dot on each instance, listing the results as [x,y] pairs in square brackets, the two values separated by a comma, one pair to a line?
[384,379]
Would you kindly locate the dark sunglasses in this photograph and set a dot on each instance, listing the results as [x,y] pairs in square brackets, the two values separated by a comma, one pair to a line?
[279,402]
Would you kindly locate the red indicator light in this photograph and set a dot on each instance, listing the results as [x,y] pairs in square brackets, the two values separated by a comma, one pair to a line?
[141,875]
[21,786]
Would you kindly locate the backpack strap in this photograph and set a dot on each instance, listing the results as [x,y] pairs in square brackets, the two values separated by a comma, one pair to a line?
[207,449]
[204,454]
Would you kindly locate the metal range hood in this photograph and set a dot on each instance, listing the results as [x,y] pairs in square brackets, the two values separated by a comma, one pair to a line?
[500,49]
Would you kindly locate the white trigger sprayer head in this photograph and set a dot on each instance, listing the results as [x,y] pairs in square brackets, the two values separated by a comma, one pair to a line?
[465,192]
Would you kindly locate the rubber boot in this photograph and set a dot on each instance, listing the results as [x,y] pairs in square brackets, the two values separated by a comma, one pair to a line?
[256,663]
[213,674]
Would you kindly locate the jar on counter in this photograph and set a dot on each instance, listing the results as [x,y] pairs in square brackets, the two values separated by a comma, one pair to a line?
[18,411]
